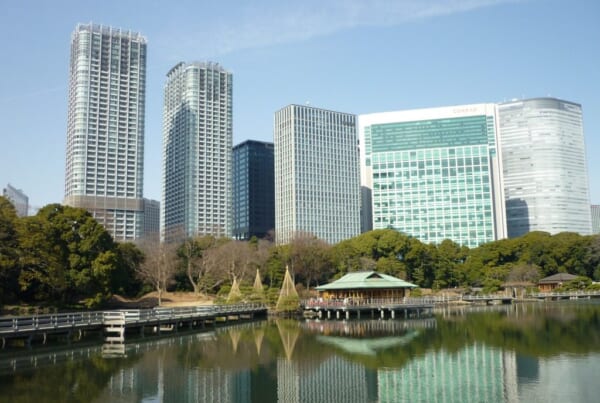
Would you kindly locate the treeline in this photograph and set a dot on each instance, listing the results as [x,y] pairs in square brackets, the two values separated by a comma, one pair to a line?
[63,257]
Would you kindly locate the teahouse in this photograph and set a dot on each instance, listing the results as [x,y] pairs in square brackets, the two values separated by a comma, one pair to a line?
[548,284]
[366,285]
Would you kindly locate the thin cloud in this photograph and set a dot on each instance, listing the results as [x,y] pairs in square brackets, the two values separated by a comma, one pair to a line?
[255,24]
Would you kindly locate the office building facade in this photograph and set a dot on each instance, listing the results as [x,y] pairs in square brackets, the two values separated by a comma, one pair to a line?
[253,190]
[197,142]
[151,219]
[317,189]
[105,127]
[544,163]
[435,174]
[18,199]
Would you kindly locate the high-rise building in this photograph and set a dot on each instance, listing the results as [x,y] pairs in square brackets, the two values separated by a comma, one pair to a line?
[197,141]
[435,173]
[18,199]
[105,127]
[317,188]
[545,171]
[151,219]
[595,218]
[253,190]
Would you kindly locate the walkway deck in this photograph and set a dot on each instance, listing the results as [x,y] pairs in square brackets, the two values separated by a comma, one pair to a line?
[116,323]
[408,307]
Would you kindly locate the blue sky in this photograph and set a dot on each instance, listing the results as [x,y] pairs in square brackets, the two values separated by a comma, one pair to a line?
[347,55]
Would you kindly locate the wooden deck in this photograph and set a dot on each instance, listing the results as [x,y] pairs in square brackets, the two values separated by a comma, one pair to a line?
[347,308]
[116,323]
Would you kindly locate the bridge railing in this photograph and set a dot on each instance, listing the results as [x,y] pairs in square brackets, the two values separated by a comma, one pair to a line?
[50,321]
[14,324]
[372,302]
[486,297]
[578,293]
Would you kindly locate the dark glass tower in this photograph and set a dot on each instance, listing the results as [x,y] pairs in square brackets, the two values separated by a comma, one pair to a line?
[253,189]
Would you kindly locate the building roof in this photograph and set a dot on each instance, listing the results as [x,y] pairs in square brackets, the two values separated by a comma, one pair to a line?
[366,280]
[557,278]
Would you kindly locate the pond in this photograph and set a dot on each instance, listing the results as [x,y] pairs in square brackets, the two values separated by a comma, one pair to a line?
[527,352]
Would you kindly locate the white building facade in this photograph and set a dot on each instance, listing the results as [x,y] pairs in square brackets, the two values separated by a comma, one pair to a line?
[544,166]
[317,189]
[197,142]
[105,128]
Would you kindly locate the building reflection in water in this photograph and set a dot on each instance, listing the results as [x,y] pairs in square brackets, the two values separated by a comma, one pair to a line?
[475,373]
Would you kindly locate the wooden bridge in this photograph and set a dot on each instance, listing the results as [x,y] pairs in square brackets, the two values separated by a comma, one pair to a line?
[553,296]
[488,299]
[114,324]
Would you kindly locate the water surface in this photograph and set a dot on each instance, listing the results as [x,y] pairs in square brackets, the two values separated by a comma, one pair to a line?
[539,352]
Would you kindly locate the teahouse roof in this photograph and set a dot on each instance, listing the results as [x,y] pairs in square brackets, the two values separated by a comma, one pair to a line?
[557,278]
[365,280]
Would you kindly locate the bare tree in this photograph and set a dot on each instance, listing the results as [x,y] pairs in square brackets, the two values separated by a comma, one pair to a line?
[310,258]
[193,252]
[159,265]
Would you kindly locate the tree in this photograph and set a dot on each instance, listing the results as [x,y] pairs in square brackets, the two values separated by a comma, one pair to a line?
[66,256]
[9,251]
[310,259]
[125,280]
[159,265]
[192,253]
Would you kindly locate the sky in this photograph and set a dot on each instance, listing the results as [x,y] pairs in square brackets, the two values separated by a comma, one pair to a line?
[346,55]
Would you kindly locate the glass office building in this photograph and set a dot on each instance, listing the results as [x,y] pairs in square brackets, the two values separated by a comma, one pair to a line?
[595,209]
[317,189]
[105,127]
[253,190]
[545,170]
[197,141]
[434,174]
[18,199]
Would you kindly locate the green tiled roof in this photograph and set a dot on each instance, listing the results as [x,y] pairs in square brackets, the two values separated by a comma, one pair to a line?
[365,280]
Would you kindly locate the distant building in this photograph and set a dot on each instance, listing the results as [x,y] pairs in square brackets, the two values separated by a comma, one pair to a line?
[151,218]
[253,190]
[18,199]
[317,188]
[544,166]
[435,173]
[197,142]
[595,219]
[105,128]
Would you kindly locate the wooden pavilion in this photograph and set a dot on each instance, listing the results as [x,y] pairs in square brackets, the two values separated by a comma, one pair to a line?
[548,284]
[365,285]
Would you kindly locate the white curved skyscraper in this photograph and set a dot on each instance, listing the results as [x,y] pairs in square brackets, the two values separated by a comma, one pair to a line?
[105,128]
[544,166]
[197,141]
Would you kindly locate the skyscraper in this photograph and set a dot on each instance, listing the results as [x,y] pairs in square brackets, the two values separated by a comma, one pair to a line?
[545,171]
[197,140]
[253,190]
[595,218]
[105,127]
[435,173]
[18,199]
[317,188]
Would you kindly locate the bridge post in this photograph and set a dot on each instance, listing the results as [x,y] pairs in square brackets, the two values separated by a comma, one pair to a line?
[382,314]
[337,314]
[393,314]
[347,314]
[328,314]
[358,313]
